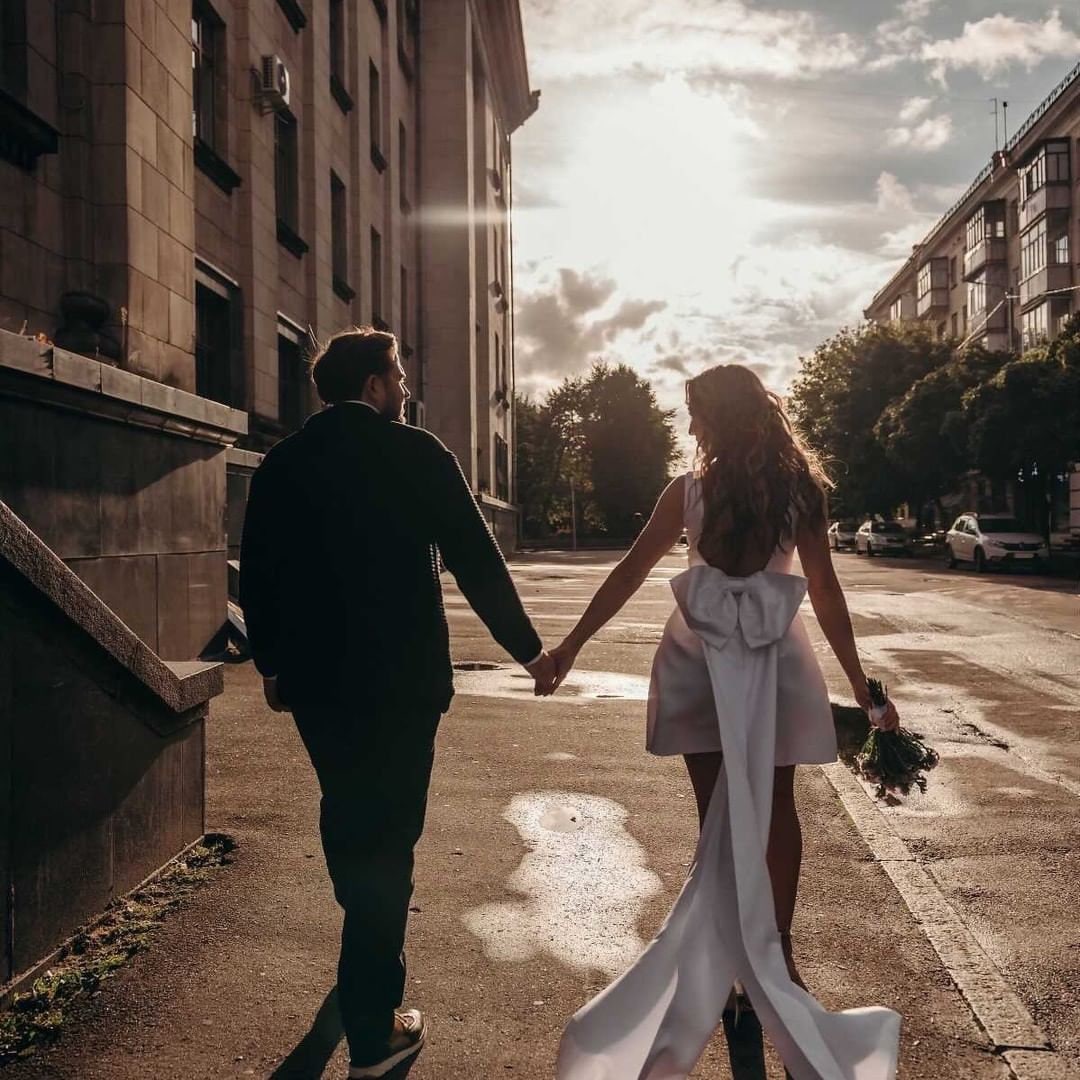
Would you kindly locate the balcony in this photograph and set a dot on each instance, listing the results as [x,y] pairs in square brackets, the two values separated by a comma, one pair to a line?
[1048,197]
[933,302]
[993,340]
[991,249]
[1047,280]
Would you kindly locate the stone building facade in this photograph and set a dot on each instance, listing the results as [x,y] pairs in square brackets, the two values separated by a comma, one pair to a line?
[998,268]
[192,192]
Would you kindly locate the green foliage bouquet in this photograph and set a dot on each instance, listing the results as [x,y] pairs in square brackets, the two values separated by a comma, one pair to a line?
[893,761]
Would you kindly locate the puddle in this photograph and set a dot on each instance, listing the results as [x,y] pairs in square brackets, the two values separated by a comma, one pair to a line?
[562,819]
[560,755]
[582,886]
[514,683]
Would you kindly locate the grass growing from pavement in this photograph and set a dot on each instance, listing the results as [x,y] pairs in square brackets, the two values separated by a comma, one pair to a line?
[35,1017]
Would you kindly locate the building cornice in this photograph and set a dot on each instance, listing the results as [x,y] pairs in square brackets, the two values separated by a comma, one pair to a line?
[504,39]
[1032,131]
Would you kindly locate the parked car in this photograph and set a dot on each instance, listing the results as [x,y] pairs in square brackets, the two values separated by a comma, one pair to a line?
[882,538]
[994,539]
[842,534]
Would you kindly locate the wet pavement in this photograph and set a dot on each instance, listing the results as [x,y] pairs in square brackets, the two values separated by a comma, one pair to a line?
[555,846]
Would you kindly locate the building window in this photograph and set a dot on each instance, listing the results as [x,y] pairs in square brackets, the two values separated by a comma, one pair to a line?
[338,38]
[294,13]
[502,469]
[375,116]
[24,136]
[407,26]
[964,319]
[1034,326]
[218,361]
[209,95]
[403,168]
[952,272]
[977,297]
[291,378]
[955,325]
[376,281]
[339,237]
[287,182]
[925,280]
[206,39]
[1059,248]
[1033,249]
[13,47]
[1049,166]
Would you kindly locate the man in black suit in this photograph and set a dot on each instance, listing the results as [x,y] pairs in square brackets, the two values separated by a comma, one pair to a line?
[339,582]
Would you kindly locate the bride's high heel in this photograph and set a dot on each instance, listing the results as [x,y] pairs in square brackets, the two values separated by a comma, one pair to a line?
[742,1029]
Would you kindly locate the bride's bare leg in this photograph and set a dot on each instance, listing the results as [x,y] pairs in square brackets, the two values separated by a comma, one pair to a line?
[703,770]
[784,855]
[785,858]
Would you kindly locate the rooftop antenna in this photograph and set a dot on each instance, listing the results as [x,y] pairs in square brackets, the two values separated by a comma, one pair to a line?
[997,139]
[1005,120]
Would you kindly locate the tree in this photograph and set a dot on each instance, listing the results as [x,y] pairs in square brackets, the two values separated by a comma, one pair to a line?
[925,432]
[1024,421]
[603,438]
[841,392]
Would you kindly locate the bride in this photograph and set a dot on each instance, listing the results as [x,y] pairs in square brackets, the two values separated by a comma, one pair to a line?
[737,691]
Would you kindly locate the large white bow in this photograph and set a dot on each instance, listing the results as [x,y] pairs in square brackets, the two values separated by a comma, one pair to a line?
[758,608]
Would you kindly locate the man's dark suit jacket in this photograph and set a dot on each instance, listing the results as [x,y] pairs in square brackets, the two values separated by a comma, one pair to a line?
[339,569]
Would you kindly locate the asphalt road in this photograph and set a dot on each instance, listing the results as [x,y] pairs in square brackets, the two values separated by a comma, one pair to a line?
[555,846]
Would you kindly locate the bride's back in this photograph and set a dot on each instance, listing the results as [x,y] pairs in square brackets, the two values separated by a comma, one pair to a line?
[755,483]
[755,557]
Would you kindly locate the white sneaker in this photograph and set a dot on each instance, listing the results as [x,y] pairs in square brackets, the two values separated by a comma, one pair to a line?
[410,1030]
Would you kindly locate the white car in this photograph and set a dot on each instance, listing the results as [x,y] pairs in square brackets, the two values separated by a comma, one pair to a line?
[881,538]
[842,534]
[993,540]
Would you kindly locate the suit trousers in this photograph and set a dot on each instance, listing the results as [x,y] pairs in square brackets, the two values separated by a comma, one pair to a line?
[374,768]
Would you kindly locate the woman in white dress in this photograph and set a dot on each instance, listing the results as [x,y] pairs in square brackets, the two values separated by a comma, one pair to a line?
[736,689]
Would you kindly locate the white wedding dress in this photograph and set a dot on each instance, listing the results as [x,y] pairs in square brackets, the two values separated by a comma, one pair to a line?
[654,1021]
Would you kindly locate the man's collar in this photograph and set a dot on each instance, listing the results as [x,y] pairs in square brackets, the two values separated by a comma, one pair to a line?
[357,401]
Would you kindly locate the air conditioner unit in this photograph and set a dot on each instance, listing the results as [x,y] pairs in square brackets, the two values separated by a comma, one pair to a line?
[414,414]
[274,83]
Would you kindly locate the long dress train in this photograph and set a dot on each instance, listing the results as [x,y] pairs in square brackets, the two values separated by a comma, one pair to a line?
[654,1021]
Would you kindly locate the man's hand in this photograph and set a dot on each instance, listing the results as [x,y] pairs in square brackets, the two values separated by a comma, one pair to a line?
[544,673]
[270,692]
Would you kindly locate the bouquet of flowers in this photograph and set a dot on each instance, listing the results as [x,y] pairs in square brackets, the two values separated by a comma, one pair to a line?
[894,761]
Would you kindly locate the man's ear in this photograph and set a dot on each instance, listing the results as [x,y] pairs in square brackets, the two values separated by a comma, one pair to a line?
[369,387]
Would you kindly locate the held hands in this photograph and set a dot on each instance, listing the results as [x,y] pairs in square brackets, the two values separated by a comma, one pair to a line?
[551,668]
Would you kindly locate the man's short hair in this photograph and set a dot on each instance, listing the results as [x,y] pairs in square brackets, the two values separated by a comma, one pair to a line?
[346,362]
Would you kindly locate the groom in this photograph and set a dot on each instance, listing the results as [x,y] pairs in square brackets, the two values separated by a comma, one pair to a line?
[339,582]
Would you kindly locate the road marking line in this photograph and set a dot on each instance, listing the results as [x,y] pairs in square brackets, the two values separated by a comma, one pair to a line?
[996,1007]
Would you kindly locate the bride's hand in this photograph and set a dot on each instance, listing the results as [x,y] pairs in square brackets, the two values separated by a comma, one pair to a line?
[564,656]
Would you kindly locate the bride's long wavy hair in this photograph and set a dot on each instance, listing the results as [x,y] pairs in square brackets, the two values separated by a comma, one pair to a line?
[758,478]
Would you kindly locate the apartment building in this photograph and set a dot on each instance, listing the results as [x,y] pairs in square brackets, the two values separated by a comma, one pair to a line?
[998,268]
[192,193]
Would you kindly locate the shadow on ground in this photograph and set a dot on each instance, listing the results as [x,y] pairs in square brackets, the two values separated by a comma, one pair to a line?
[309,1058]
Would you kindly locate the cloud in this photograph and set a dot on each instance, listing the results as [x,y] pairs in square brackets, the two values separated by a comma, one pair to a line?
[699,38]
[892,194]
[566,323]
[929,135]
[914,108]
[998,42]
[916,9]
[583,292]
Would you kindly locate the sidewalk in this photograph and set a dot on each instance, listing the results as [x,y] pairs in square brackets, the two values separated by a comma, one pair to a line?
[233,981]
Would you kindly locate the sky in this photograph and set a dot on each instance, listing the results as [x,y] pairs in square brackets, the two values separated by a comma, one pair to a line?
[718,180]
